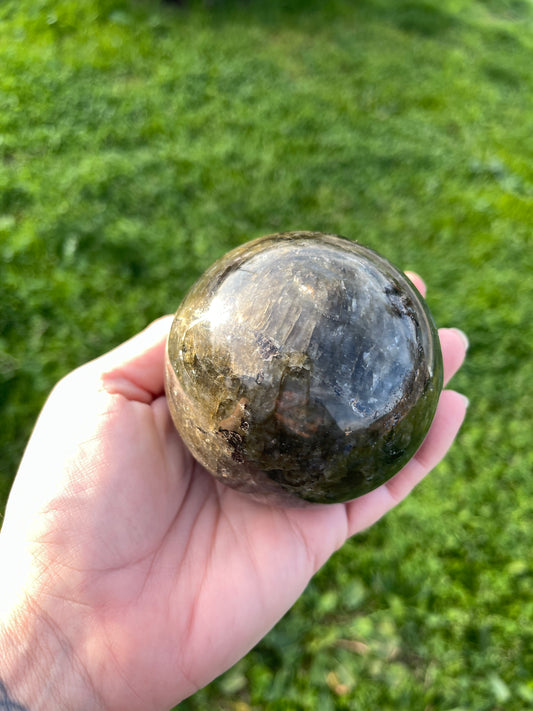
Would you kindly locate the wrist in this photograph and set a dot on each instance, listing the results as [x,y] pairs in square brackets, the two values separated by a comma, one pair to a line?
[39,662]
[38,668]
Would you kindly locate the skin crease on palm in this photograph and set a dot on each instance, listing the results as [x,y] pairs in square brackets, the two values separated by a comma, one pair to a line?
[134,577]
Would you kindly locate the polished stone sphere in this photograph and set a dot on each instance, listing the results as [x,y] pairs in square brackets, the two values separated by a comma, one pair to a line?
[303,367]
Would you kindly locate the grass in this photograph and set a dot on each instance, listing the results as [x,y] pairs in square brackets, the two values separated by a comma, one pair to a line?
[139,141]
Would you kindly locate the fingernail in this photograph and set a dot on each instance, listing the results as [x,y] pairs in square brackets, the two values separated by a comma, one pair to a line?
[462,336]
[464,399]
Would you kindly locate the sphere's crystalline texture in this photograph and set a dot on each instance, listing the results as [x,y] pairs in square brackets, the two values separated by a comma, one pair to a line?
[303,366]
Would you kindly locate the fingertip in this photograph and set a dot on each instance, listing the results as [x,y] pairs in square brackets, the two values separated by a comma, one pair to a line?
[454,345]
[457,405]
[161,324]
[462,335]
[418,282]
[465,400]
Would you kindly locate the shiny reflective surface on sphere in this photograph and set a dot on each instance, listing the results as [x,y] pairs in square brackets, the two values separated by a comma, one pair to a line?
[303,367]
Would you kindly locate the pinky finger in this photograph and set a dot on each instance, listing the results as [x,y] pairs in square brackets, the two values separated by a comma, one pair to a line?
[368,509]
[448,419]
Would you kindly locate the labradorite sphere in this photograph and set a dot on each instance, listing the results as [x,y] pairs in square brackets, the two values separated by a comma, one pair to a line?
[303,367]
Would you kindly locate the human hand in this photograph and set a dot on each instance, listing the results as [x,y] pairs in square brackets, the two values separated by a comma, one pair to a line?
[131,577]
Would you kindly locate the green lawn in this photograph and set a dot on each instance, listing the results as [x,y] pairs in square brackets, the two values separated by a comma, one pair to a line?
[139,141]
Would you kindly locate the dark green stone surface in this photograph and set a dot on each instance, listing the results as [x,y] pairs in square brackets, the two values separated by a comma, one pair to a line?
[303,367]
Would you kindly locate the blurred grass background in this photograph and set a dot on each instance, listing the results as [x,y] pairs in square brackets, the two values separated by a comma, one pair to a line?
[139,141]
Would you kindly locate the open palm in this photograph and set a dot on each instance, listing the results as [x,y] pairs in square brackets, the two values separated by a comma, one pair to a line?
[157,577]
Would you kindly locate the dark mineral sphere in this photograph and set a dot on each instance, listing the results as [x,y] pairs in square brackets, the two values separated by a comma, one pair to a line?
[303,367]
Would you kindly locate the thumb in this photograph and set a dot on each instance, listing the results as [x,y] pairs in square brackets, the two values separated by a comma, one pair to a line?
[135,369]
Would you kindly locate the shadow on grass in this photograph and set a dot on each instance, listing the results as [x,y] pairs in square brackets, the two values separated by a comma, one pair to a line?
[420,17]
